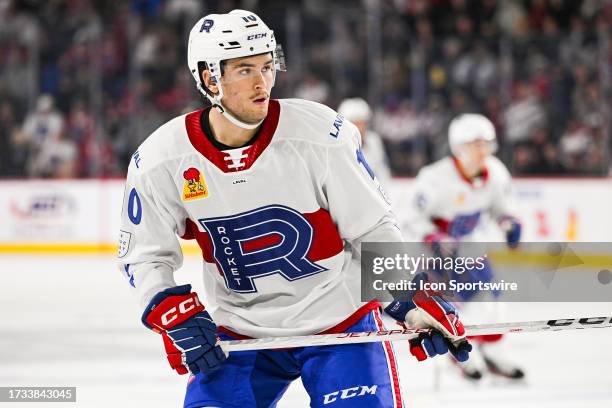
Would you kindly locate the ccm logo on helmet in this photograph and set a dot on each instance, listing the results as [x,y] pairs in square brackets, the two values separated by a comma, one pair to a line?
[358,391]
[184,307]
[256,36]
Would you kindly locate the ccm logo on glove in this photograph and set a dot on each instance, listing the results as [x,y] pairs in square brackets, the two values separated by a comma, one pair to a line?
[184,307]
[171,310]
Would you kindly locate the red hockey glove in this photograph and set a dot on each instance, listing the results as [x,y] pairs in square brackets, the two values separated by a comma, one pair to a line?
[188,331]
[427,310]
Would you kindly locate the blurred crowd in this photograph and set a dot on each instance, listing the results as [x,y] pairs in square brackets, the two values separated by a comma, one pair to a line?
[83,82]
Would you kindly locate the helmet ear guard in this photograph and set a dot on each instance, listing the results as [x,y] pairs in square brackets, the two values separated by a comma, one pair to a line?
[203,66]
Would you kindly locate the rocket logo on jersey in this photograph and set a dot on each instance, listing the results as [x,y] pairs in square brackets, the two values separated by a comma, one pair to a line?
[463,224]
[195,186]
[270,240]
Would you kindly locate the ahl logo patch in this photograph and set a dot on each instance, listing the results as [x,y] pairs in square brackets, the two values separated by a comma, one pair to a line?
[124,243]
[195,186]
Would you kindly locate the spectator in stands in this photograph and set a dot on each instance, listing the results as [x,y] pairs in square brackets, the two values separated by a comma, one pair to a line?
[528,65]
[45,123]
[13,152]
[57,158]
[524,115]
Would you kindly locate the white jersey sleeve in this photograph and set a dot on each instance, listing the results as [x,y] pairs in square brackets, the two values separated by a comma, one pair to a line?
[357,201]
[149,249]
[374,150]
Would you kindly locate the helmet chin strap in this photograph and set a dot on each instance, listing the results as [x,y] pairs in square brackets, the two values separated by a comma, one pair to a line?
[216,102]
[234,119]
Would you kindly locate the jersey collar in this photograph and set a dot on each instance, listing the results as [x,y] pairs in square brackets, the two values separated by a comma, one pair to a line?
[477,181]
[223,159]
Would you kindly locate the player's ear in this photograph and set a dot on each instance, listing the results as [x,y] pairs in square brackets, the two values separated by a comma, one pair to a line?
[209,82]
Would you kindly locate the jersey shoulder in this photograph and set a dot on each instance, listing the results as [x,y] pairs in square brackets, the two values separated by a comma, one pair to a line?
[313,122]
[437,171]
[498,172]
[167,142]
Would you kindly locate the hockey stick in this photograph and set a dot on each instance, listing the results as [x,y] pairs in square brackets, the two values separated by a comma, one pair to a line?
[407,334]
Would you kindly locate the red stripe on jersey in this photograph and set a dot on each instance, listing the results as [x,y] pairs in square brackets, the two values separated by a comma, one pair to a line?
[231,333]
[261,243]
[392,364]
[442,224]
[202,238]
[326,241]
[201,143]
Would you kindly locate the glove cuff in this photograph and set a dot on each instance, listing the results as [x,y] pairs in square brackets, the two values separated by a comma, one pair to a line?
[398,309]
[403,301]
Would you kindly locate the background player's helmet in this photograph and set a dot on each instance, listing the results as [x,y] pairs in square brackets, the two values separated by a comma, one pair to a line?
[470,127]
[218,37]
[355,109]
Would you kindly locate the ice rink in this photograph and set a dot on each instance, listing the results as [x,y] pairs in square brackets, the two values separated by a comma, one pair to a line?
[72,321]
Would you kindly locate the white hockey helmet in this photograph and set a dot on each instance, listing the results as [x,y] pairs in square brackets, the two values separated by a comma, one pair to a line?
[218,37]
[470,127]
[355,109]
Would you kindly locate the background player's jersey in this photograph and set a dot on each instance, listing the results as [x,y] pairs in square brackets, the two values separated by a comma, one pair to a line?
[279,222]
[445,201]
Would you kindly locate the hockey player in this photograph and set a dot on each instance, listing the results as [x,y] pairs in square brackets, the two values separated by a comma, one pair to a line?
[359,113]
[279,197]
[451,198]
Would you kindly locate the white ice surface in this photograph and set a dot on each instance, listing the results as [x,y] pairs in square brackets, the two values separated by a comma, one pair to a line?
[71,321]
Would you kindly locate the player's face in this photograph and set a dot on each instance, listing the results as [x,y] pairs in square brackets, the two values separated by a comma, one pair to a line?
[247,83]
[476,153]
[362,125]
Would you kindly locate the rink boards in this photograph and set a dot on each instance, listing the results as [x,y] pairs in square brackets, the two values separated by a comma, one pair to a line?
[83,215]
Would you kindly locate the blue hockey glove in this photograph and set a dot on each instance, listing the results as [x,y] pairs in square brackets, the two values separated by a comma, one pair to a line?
[188,331]
[512,228]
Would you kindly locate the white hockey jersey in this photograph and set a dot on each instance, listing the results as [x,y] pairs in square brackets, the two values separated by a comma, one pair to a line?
[279,222]
[374,150]
[445,201]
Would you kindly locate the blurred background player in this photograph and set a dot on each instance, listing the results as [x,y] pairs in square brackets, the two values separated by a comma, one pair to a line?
[453,198]
[358,111]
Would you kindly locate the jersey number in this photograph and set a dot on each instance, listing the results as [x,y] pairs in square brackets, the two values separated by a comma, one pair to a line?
[134,208]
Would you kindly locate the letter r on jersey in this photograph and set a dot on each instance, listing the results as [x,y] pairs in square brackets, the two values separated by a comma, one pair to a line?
[270,240]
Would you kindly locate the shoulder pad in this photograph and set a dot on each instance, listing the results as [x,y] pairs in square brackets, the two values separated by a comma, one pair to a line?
[166,142]
[313,122]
